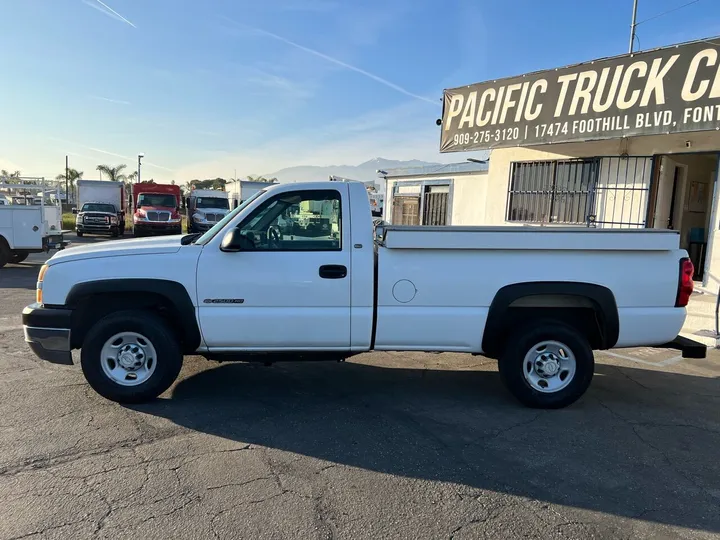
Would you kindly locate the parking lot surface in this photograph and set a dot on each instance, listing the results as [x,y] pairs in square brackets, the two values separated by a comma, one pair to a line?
[387,445]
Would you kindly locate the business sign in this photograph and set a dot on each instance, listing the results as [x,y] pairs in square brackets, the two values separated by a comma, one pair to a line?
[671,90]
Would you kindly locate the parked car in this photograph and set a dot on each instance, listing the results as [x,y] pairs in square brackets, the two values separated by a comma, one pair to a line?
[539,300]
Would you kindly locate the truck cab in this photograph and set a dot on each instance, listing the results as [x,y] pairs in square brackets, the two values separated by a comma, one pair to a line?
[156,209]
[97,218]
[206,207]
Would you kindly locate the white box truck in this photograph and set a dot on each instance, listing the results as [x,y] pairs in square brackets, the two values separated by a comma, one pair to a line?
[101,208]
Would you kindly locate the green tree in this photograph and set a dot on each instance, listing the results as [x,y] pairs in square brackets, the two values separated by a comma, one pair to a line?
[7,174]
[114,174]
[256,178]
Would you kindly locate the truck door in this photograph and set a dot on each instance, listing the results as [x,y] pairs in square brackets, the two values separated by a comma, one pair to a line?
[290,289]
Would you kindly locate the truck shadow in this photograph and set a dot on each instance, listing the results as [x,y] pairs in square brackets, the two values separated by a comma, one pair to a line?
[640,444]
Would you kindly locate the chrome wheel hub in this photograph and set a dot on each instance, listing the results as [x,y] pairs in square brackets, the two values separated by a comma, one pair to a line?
[128,358]
[549,366]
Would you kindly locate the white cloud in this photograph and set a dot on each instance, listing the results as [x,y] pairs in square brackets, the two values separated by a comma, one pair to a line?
[337,62]
[107,10]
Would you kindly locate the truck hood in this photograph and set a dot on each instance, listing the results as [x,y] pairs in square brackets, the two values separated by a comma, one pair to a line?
[144,208]
[118,248]
[211,210]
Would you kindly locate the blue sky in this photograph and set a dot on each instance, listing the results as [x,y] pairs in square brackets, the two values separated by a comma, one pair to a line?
[205,88]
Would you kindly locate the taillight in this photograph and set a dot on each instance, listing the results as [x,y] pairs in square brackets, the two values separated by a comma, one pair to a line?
[685,282]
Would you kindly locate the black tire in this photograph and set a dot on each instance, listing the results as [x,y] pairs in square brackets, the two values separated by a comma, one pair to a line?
[157,331]
[138,234]
[114,233]
[5,253]
[19,256]
[512,364]
[79,234]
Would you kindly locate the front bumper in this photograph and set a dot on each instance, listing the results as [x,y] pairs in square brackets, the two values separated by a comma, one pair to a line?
[688,347]
[96,228]
[47,332]
[158,227]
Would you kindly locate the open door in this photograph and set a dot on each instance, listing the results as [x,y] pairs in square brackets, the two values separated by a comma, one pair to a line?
[670,195]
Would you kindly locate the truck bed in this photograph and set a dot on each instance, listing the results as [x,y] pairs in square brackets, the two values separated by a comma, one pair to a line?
[441,300]
[518,237]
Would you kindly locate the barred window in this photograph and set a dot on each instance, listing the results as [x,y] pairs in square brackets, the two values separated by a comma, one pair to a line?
[552,191]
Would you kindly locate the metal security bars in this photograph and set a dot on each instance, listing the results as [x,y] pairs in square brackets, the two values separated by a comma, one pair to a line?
[552,191]
[622,191]
[597,192]
[435,207]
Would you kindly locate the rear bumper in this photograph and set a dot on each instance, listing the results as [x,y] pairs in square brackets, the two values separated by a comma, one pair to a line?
[688,347]
[47,332]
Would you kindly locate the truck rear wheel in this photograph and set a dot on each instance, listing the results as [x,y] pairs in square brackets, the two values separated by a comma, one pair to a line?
[547,365]
[131,357]
[19,256]
[5,253]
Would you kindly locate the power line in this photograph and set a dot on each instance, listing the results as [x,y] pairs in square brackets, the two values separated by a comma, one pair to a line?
[668,11]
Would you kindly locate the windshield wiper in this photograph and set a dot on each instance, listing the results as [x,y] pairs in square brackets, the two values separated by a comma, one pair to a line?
[189,239]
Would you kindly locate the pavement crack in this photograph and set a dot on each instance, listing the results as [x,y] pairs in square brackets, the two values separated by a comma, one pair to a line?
[239,484]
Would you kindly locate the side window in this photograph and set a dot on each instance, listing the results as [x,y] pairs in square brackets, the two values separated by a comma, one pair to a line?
[297,221]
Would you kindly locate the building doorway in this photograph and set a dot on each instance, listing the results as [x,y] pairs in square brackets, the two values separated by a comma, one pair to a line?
[682,200]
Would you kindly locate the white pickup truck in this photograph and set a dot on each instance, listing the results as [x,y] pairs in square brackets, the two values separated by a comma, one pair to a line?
[539,300]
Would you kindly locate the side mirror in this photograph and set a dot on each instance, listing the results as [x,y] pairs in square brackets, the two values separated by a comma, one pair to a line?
[235,241]
[74,210]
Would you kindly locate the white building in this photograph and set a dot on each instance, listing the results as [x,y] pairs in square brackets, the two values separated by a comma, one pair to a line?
[452,194]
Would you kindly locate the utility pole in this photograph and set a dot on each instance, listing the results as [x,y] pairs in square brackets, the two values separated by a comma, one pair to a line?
[633,25]
[67,181]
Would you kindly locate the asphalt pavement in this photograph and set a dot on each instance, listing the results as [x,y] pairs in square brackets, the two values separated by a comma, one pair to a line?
[387,445]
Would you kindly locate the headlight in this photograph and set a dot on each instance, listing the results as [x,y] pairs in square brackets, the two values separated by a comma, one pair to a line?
[41,277]
[199,218]
[137,218]
[113,220]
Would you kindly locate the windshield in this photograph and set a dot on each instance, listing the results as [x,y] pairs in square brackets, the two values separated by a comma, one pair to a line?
[157,199]
[97,207]
[205,238]
[212,202]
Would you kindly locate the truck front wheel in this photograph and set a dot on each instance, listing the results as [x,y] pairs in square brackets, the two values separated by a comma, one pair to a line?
[547,365]
[131,357]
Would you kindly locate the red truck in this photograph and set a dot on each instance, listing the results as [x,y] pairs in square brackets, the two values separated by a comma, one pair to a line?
[156,209]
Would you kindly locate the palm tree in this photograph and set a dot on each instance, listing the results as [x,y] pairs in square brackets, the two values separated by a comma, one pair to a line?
[114,174]
[132,177]
[72,176]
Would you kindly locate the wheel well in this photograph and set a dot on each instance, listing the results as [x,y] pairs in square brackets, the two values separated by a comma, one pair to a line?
[588,308]
[89,309]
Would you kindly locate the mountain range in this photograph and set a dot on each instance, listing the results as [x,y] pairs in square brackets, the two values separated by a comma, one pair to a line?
[364,172]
